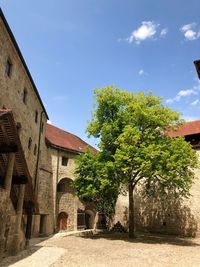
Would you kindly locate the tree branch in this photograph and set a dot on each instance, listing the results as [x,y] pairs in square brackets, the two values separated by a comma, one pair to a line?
[140,178]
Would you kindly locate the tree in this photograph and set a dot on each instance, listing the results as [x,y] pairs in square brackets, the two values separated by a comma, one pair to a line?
[134,144]
[92,183]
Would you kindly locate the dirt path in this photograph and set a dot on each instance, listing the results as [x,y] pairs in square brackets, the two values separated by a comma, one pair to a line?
[110,250]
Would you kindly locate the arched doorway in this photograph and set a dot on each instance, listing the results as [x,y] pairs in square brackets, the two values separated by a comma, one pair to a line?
[62,221]
[80,219]
[89,219]
[101,224]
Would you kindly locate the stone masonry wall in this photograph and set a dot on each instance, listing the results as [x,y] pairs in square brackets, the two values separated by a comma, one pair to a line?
[164,215]
[65,201]
[7,225]
[11,97]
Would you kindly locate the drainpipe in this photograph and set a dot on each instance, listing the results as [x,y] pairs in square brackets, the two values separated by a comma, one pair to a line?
[57,173]
[38,153]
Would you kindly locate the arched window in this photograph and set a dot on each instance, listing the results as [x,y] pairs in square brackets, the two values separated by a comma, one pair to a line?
[65,185]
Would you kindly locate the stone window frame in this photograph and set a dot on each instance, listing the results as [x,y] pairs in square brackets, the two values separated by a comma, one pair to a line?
[8,67]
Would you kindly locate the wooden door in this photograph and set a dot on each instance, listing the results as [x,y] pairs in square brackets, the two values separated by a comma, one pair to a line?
[62,221]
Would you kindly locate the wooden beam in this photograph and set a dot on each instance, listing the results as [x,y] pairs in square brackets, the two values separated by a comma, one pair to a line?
[11,148]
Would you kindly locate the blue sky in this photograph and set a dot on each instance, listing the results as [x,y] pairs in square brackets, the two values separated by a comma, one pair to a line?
[74,46]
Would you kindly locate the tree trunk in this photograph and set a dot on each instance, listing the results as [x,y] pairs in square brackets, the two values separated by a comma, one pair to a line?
[131,212]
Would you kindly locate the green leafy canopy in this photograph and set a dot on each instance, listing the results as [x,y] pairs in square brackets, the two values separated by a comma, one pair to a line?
[134,146]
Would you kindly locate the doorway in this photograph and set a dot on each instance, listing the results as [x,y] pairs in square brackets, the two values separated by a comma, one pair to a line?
[62,221]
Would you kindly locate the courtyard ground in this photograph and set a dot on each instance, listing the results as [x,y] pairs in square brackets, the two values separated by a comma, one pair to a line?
[109,250]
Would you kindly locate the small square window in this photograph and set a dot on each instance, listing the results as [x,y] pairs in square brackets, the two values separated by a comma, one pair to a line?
[64,161]
[8,68]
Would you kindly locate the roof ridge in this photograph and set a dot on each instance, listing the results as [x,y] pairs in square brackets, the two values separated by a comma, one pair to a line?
[191,121]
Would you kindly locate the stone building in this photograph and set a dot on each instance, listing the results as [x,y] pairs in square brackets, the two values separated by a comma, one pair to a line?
[23,160]
[69,212]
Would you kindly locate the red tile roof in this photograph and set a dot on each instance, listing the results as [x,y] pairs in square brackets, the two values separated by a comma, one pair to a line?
[62,139]
[188,128]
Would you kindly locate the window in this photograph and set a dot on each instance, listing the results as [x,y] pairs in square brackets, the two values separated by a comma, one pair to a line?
[64,161]
[29,143]
[35,150]
[25,96]
[8,68]
[36,116]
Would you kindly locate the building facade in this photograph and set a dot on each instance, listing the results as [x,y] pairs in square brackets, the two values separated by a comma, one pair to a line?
[70,213]
[22,146]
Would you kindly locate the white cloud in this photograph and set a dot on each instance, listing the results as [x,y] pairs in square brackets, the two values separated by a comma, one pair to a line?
[187,27]
[190,32]
[197,86]
[182,94]
[147,30]
[169,101]
[49,122]
[195,102]
[141,72]
[163,32]
[195,90]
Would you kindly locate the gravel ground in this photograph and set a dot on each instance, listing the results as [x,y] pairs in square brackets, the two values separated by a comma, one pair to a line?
[110,250]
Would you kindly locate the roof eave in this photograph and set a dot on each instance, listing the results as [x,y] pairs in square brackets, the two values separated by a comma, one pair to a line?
[62,148]
[21,58]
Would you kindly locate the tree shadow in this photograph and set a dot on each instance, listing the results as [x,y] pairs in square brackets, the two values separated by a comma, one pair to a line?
[145,238]
[167,214]
[5,262]
[34,247]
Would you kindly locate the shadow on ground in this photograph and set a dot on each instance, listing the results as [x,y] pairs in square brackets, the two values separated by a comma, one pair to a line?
[7,261]
[147,238]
